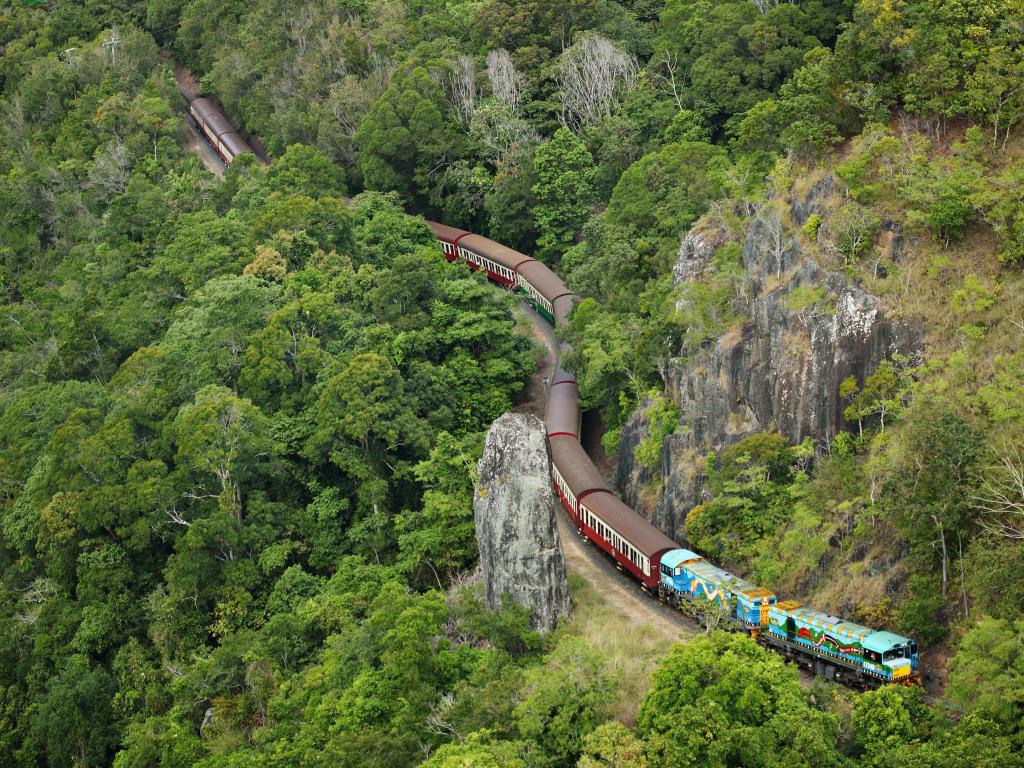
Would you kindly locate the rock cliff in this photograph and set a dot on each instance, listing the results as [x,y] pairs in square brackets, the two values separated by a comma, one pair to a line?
[780,371]
[516,530]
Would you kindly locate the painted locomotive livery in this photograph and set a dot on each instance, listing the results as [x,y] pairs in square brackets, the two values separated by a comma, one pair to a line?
[832,647]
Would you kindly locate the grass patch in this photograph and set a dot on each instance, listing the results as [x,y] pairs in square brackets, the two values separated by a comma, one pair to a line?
[632,651]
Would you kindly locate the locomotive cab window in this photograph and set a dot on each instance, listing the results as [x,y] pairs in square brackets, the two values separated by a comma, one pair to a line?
[913,649]
[874,656]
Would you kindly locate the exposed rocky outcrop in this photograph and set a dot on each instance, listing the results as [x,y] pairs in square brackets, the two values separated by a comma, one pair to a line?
[516,530]
[814,200]
[696,251]
[781,371]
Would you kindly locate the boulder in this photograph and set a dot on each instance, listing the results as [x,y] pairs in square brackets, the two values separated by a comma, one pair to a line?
[516,530]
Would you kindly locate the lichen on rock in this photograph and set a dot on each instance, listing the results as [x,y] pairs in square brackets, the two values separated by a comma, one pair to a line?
[516,530]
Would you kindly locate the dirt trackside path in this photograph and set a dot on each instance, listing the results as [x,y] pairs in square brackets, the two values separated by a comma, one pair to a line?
[618,590]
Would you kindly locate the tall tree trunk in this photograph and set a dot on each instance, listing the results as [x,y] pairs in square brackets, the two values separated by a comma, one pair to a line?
[963,578]
[945,556]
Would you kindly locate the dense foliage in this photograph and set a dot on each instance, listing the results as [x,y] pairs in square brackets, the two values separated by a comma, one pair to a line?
[237,417]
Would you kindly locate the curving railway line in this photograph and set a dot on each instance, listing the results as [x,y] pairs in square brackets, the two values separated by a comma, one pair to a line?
[832,647]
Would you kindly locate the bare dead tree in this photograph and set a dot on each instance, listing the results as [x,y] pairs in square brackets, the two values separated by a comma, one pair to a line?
[110,172]
[763,6]
[176,517]
[14,124]
[593,75]
[776,237]
[34,597]
[940,544]
[506,83]
[440,722]
[460,82]
[663,70]
[1001,499]
[503,135]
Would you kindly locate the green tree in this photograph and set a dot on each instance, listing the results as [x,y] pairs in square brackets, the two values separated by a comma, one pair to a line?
[612,745]
[753,699]
[722,58]
[440,535]
[884,393]
[663,193]
[223,435]
[74,719]
[986,673]
[930,489]
[564,191]
[887,718]
[407,138]
[480,752]
[564,700]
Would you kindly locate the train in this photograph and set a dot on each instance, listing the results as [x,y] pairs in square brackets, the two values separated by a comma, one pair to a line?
[831,647]
[225,139]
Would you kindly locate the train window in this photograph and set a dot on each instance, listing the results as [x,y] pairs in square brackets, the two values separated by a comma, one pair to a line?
[874,656]
[913,649]
[895,653]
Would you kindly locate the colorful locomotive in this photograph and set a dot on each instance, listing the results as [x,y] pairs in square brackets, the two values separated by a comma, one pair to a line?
[835,648]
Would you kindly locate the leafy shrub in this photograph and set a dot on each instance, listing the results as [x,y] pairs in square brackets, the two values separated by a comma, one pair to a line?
[812,225]
[919,614]
[662,421]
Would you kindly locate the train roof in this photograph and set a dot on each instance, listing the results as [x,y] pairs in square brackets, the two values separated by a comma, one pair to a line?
[824,621]
[213,117]
[503,255]
[563,410]
[215,121]
[563,306]
[679,556]
[884,641]
[630,525]
[444,232]
[548,284]
[204,106]
[235,143]
[562,375]
[722,578]
[575,466]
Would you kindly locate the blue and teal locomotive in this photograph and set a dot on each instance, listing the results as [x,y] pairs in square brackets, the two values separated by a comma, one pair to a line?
[832,647]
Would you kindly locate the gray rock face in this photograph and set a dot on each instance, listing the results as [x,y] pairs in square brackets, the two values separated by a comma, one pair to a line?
[803,207]
[781,372]
[516,531]
[695,253]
